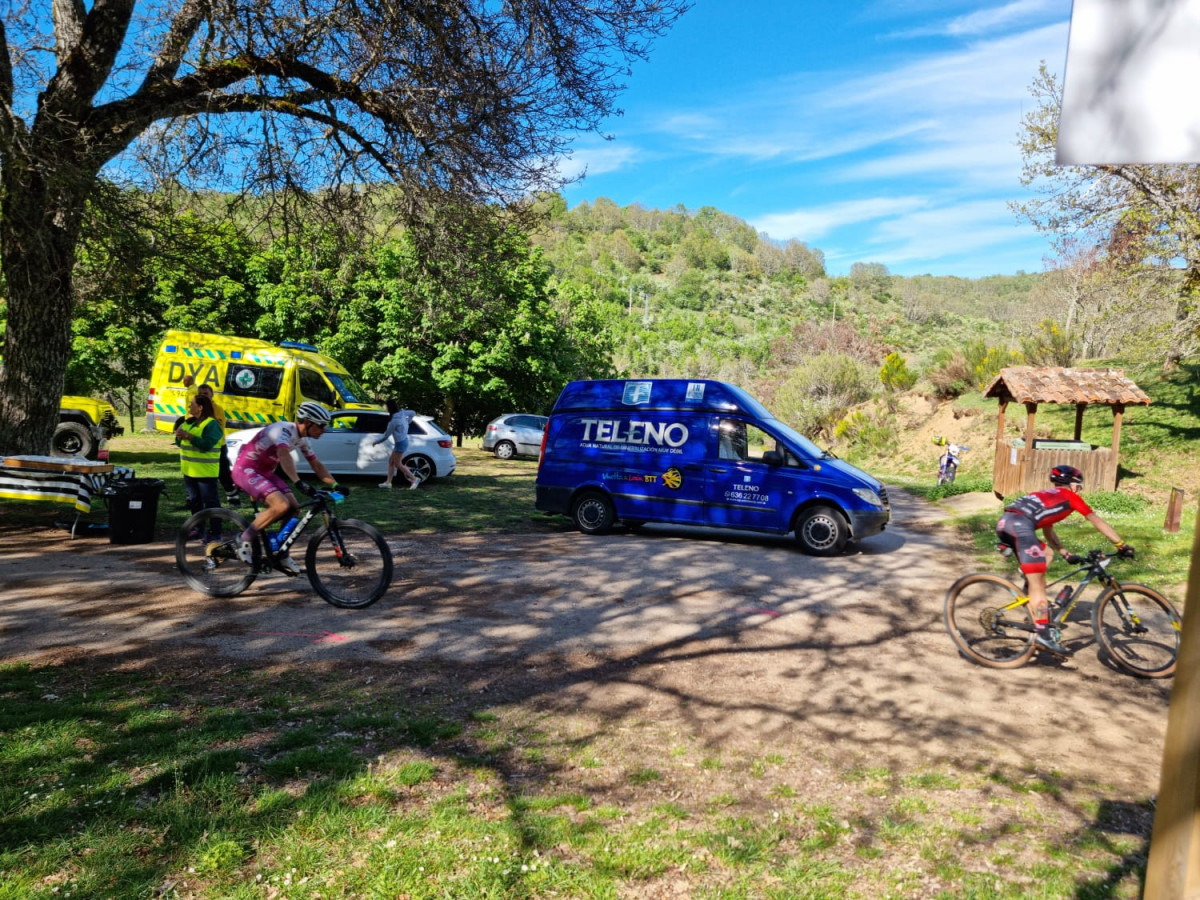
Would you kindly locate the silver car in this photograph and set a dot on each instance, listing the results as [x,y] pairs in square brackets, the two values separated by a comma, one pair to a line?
[514,433]
[347,447]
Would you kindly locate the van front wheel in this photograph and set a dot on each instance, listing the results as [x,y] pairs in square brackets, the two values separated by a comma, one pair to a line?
[594,513]
[822,531]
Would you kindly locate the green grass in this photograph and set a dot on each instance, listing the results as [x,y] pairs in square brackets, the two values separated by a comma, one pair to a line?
[302,783]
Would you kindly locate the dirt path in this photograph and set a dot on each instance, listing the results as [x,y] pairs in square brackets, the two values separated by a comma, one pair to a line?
[735,640]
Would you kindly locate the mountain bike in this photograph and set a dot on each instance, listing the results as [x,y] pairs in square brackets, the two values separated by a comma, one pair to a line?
[347,561]
[990,621]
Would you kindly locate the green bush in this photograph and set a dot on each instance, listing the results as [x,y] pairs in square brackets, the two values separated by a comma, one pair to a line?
[867,431]
[895,374]
[821,390]
[1111,503]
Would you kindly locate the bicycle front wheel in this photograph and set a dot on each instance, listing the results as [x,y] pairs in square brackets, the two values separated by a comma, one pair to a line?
[349,564]
[988,623]
[1139,629]
[209,561]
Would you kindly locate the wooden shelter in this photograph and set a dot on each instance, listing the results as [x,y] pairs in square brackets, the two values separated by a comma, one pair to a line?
[1023,464]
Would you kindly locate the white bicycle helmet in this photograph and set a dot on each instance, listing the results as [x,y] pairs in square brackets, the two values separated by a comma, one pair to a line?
[313,412]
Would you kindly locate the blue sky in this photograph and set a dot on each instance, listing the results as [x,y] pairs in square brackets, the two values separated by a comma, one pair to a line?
[878,131]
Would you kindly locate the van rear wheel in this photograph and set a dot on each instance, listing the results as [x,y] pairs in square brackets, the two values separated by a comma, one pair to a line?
[822,531]
[593,513]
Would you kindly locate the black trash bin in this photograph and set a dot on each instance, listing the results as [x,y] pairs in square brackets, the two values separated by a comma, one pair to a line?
[132,510]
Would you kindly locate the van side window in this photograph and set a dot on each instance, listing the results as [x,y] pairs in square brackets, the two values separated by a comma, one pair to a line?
[262,382]
[313,386]
[732,441]
[742,441]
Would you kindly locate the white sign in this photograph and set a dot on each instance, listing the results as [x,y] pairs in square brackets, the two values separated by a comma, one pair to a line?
[1130,86]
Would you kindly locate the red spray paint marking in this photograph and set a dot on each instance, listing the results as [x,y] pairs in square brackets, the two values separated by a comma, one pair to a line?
[317,638]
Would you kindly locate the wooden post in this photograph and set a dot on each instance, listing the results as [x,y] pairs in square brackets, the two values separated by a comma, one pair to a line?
[1079,408]
[1174,866]
[1027,452]
[1174,511]
[1000,460]
[1118,414]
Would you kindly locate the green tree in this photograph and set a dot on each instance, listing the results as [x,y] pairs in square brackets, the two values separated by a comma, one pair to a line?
[1149,215]
[501,339]
[460,103]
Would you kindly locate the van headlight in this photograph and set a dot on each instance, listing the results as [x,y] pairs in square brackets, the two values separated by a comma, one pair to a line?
[869,496]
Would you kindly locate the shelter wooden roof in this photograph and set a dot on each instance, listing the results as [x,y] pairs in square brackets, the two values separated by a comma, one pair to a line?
[1054,384]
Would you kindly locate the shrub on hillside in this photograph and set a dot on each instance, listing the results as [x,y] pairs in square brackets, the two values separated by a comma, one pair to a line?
[950,374]
[821,390]
[895,375]
[870,432]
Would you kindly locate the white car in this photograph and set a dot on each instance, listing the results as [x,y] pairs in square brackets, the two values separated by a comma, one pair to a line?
[347,447]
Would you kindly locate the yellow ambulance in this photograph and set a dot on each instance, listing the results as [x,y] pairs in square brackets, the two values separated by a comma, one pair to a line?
[254,381]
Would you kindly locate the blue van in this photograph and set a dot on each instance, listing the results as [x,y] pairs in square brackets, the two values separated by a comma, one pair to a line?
[698,453]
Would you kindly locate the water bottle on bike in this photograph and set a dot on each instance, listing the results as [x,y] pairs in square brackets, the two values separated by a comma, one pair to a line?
[276,540]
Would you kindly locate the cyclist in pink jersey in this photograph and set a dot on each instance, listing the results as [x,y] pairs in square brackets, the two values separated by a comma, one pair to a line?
[1018,529]
[254,472]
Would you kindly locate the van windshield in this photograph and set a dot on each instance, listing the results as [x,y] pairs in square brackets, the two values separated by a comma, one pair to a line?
[348,389]
[796,439]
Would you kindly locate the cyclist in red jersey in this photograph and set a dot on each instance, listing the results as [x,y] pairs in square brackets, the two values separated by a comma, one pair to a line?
[1018,529]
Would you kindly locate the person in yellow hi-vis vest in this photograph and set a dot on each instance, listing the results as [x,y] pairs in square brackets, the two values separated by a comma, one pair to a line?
[201,442]
[232,495]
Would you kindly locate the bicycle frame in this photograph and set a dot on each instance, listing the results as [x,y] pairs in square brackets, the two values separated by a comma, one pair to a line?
[317,505]
[1095,569]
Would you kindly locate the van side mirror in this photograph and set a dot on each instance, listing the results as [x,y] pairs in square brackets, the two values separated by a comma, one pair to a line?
[772,458]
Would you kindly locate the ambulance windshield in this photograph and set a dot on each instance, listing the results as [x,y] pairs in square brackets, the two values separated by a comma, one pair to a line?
[348,389]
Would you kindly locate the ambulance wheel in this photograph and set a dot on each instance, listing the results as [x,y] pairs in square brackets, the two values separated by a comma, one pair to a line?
[822,531]
[593,513]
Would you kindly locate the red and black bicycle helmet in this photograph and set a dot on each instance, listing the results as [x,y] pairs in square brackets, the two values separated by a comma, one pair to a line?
[1065,475]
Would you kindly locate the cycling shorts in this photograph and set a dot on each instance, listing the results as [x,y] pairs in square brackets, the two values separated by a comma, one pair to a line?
[1018,532]
[258,484]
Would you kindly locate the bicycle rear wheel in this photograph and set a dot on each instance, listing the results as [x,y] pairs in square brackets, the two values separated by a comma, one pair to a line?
[212,566]
[983,623]
[1139,629]
[349,564]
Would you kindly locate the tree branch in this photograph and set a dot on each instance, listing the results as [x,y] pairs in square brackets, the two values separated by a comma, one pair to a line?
[87,66]
[183,28]
[69,17]
[8,118]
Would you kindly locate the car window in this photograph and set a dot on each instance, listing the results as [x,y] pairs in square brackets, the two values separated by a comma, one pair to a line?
[371,424]
[432,427]
[525,421]
[343,423]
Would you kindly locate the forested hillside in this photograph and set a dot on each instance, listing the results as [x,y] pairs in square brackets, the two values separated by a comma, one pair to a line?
[502,319]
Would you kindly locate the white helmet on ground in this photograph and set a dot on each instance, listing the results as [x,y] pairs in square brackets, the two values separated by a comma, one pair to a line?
[313,412]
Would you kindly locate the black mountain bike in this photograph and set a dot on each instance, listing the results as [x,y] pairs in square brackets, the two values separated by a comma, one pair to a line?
[347,562]
[1137,628]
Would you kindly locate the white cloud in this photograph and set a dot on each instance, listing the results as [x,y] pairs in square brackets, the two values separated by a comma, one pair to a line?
[999,17]
[597,159]
[809,224]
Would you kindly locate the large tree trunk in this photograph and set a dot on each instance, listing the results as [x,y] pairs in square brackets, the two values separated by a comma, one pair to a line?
[39,228]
